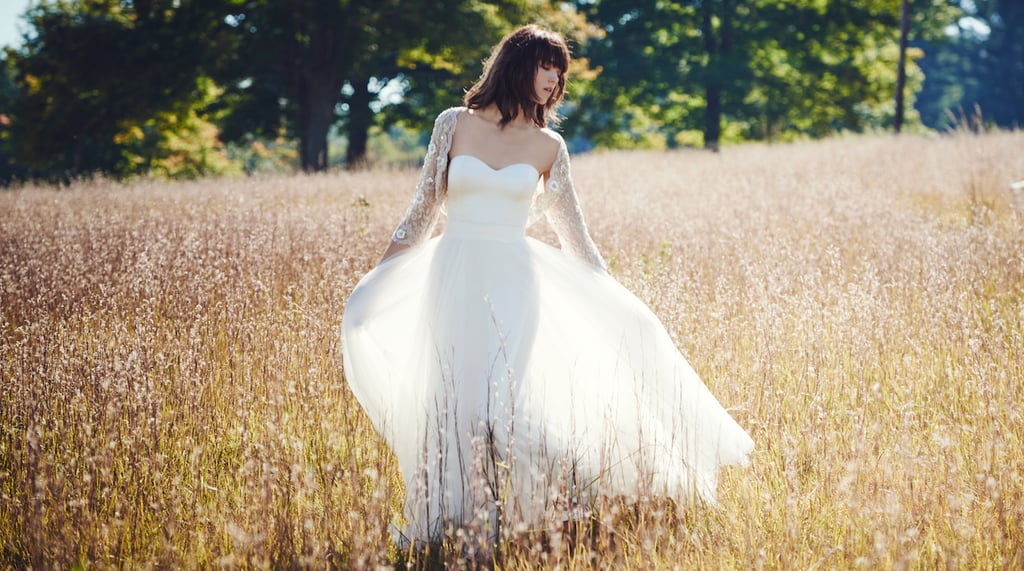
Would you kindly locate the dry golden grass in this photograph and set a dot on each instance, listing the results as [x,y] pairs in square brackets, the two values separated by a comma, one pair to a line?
[171,393]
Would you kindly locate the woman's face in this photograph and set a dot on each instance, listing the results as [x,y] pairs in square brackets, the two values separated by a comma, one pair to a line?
[545,82]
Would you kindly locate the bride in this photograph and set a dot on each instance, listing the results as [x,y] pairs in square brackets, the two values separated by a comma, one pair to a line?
[516,382]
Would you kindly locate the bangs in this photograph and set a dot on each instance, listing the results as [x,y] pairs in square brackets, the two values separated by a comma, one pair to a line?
[548,51]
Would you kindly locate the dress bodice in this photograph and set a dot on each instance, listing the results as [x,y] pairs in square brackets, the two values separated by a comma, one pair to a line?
[489,203]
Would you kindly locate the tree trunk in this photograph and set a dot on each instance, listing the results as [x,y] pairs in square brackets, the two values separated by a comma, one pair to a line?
[316,115]
[712,84]
[901,72]
[76,159]
[713,116]
[360,118]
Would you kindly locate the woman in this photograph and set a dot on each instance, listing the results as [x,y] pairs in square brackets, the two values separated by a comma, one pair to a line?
[511,379]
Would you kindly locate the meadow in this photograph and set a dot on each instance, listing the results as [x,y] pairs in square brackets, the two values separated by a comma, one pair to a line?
[171,393]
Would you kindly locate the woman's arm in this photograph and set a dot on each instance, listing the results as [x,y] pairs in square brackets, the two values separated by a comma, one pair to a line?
[393,248]
[563,212]
[418,223]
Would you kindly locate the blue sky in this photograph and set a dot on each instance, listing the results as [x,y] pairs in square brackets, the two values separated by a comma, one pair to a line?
[10,21]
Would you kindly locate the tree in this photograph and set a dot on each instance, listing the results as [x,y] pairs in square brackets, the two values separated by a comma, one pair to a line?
[180,142]
[9,95]
[742,69]
[309,64]
[433,78]
[901,74]
[644,93]
[1002,69]
[95,69]
[978,62]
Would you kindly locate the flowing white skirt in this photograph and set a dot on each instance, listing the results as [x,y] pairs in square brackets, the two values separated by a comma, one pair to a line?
[507,373]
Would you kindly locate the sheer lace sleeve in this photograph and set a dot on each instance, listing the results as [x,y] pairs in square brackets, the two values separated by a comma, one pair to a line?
[423,212]
[559,204]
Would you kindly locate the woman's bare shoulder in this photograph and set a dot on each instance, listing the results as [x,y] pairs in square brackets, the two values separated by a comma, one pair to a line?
[552,136]
[551,140]
[552,143]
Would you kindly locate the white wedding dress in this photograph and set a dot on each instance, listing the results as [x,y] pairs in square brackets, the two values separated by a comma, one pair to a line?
[513,378]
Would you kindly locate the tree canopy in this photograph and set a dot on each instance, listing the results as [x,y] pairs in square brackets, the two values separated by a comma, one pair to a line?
[174,87]
[978,65]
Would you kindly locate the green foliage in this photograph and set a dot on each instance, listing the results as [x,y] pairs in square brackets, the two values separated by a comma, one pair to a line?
[642,77]
[396,147]
[154,87]
[8,86]
[745,69]
[435,73]
[304,66]
[97,73]
[8,96]
[972,69]
[257,155]
[181,142]
[308,67]
[1004,69]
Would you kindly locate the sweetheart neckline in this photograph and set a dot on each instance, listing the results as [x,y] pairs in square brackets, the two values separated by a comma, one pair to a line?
[506,167]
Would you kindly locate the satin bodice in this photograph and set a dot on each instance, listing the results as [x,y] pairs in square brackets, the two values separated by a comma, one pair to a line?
[483,202]
[488,203]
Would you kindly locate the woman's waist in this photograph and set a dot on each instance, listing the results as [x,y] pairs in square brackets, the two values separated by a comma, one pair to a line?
[484,230]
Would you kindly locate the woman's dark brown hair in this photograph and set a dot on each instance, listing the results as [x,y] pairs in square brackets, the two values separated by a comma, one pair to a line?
[510,72]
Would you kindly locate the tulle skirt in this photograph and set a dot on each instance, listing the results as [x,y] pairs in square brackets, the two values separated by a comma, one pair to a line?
[509,377]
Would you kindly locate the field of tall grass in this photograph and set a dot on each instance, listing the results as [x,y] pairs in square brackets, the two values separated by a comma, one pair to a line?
[171,394]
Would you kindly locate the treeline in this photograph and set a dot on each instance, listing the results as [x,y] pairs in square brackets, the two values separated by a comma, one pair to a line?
[188,88]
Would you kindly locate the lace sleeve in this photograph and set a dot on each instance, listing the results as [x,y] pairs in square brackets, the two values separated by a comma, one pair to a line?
[562,209]
[421,217]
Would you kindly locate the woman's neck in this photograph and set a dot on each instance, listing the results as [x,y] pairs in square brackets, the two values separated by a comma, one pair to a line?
[492,114]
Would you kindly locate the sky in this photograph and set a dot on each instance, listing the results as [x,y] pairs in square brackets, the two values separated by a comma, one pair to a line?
[10,21]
